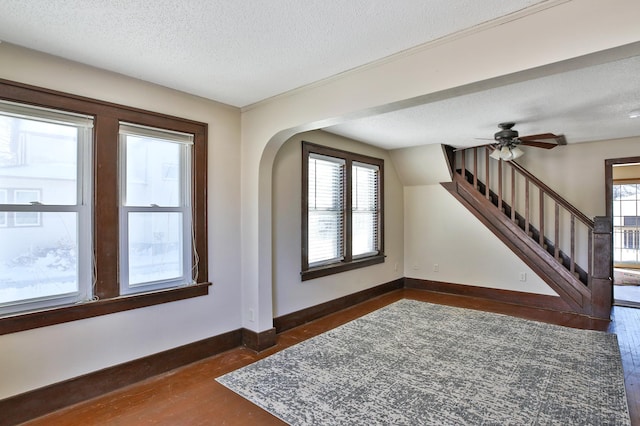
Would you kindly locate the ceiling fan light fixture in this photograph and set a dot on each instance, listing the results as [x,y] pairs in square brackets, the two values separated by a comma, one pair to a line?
[506,153]
[516,152]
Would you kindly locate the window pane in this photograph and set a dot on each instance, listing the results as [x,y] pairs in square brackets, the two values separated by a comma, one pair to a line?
[364,233]
[153,172]
[3,200]
[39,262]
[365,209]
[626,224]
[39,156]
[326,210]
[155,247]
[325,237]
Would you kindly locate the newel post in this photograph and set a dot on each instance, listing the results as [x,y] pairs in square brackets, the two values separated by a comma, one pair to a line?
[602,282]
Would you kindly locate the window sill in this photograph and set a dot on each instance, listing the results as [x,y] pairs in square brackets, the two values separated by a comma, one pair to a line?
[31,320]
[323,271]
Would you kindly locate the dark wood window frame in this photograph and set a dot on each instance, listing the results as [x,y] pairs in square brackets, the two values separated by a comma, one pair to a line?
[348,263]
[107,118]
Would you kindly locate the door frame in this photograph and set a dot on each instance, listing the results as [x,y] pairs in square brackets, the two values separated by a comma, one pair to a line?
[608,178]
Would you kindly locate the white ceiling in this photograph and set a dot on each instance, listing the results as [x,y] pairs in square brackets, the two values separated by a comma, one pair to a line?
[586,104]
[243,51]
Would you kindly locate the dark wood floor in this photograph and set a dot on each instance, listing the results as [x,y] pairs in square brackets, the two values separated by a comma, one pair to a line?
[191,396]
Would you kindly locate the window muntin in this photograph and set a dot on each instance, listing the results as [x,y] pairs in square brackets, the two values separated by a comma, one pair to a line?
[155,211]
[28,197]
[342,212]
[626,224]
[45,238]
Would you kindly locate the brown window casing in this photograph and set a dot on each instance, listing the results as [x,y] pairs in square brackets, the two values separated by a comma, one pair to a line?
[107,118]
[348,263]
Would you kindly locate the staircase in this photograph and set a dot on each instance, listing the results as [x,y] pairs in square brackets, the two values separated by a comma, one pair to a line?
[569,251]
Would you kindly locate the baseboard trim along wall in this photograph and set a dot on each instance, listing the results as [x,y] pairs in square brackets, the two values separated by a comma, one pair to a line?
[303,316]
[507,296]
[38,402]
[547,308]
[259,341]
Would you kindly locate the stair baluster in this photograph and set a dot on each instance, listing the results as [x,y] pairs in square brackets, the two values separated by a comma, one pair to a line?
[569,253]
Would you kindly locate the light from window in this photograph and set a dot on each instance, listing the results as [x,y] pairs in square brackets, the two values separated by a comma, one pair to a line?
[3,200]
[326,209]
[45,238]
[626,224]
[155,212]
[365,209]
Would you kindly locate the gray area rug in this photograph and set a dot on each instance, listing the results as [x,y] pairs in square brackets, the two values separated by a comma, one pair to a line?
[415,363]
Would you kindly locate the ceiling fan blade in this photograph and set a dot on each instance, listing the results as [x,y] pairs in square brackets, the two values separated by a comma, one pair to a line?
[538,144]
[538,136]
[559,139]
[462,148]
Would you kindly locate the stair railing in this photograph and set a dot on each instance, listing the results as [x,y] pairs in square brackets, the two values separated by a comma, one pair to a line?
[554,223]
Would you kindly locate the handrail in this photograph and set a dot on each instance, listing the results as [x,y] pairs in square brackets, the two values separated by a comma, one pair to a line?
[468,163]
[556,197]
[570,242]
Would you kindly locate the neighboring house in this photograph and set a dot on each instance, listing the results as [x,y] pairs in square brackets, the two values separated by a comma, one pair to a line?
[254,195]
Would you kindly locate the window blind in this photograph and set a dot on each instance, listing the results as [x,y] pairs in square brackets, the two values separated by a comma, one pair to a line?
[325,210]
[365,208]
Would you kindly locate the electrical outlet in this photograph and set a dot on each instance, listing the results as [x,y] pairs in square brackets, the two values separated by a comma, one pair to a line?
[395,267]
[436,267]
[523,276]
[252,315]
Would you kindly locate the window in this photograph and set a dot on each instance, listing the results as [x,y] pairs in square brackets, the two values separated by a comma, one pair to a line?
[45,263]
[28,197]
[155,212]
[102,208]
[3,200]
[626,223]
[342,211]
[20,196]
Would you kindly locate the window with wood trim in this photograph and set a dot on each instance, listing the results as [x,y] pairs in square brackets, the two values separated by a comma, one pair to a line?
[104,207]
[626,223]
[342,211]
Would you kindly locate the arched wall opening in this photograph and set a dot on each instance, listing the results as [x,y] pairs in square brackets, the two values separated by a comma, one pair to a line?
[439,69]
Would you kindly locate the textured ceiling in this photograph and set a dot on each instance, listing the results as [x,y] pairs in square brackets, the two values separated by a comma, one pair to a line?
[587,104]
[237,51]
[243,51]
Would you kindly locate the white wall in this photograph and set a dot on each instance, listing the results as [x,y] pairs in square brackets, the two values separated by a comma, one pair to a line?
[38,357]
[626,171]
[242,152]
[576,171]
[289,292]
[466,251]
[446,67]
[439,230]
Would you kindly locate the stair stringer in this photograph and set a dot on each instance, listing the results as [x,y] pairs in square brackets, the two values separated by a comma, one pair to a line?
[571,290]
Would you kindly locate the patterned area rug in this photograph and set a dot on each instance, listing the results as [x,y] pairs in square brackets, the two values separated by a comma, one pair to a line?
[415,363]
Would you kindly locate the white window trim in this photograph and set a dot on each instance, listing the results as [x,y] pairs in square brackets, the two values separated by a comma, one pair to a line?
[82,207]
[184,207]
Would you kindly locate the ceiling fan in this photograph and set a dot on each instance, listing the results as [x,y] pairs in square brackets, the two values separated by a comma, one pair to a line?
[508,139]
